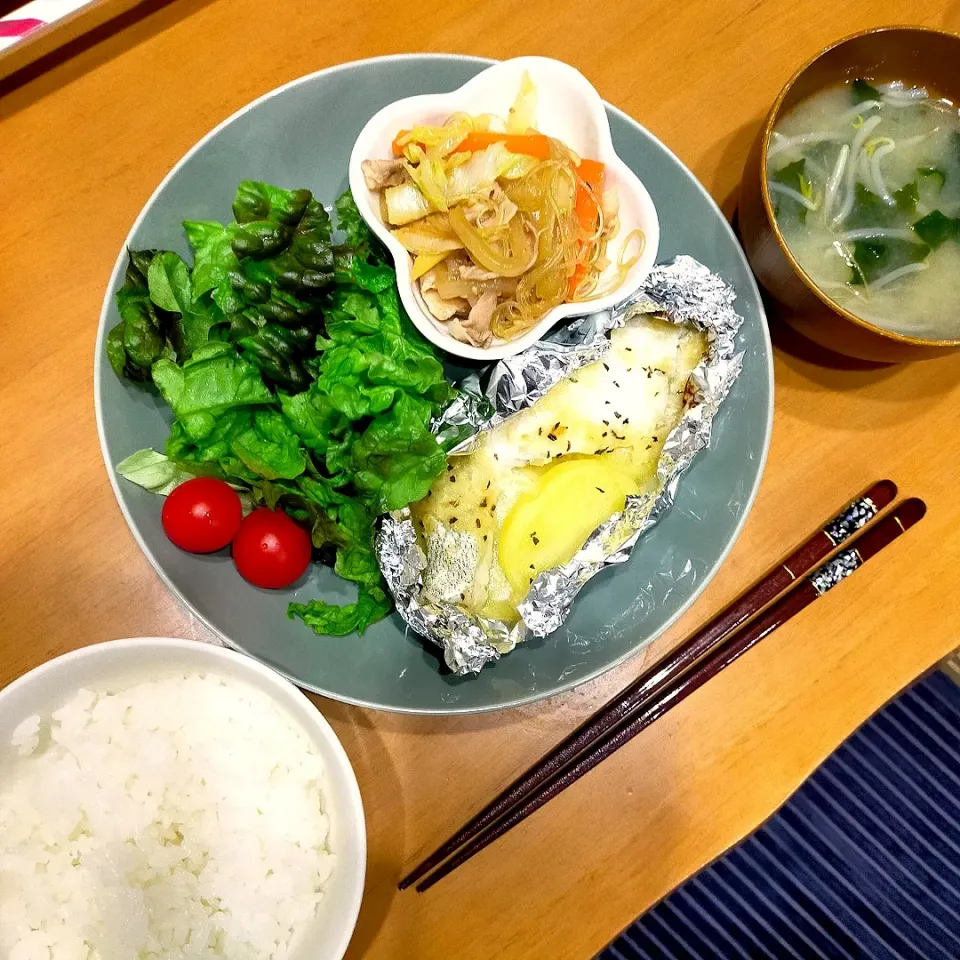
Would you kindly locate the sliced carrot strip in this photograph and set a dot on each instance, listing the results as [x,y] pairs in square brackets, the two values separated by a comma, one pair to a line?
[529,144]
[589,193]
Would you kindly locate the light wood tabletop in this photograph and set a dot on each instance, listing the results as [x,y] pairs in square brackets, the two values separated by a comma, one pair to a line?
[83,146]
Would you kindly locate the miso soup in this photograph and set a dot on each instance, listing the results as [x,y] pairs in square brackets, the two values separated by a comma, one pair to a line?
[865,183]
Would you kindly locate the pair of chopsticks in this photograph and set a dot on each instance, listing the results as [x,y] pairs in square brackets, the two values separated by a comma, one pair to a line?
[709,651]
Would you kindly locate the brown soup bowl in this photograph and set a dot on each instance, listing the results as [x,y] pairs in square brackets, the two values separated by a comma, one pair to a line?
[915,55]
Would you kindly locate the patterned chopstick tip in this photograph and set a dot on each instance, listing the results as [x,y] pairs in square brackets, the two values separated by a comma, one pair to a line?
[856,516]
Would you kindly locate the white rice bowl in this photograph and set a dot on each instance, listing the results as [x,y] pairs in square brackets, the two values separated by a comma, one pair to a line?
[165,799]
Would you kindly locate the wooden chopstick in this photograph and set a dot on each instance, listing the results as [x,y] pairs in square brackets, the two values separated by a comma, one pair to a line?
[867,545]
[814,549]
[828,575]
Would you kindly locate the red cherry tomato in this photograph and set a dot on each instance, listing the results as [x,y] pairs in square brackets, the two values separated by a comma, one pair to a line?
[270,550]
[202,515]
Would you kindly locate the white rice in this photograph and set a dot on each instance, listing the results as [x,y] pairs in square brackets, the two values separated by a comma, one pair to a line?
[180,818]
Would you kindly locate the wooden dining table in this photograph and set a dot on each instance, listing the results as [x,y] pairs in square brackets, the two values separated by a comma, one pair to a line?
[87,134]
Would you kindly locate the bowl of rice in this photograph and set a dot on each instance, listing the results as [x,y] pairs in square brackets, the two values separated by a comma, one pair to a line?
[166,799]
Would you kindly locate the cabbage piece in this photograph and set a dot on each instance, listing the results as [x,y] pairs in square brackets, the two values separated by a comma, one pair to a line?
[443,139]
[405,204]
[481,172]
[429,173]
[464,179]
[522,115]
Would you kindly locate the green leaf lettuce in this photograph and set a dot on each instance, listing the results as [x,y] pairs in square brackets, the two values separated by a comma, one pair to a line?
[293,373]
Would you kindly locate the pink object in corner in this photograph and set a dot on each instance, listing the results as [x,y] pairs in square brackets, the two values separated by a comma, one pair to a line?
[19,28]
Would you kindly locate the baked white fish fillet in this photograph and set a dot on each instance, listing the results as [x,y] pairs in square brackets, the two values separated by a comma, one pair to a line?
[528,497]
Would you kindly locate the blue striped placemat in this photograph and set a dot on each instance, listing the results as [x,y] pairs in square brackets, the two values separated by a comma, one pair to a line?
[862,862]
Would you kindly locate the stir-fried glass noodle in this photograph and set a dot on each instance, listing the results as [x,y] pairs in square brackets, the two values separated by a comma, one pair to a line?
[865,183]
[503,222]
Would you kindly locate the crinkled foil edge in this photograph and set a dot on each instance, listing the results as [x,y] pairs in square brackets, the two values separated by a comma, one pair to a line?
[683,291]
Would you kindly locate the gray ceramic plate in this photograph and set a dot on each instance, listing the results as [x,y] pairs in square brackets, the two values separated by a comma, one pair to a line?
[301,136]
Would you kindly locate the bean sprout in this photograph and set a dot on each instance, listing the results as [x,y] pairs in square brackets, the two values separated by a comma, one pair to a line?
[792,194]
[858,141]
[788,143]
[894,275]
[919,138]
[881,233]
[834,182]
[895,94]
[875,173]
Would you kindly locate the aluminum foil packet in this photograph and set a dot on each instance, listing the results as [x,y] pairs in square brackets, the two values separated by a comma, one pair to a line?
[683,291]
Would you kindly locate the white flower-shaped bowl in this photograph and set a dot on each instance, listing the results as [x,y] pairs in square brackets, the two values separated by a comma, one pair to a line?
[569,109]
